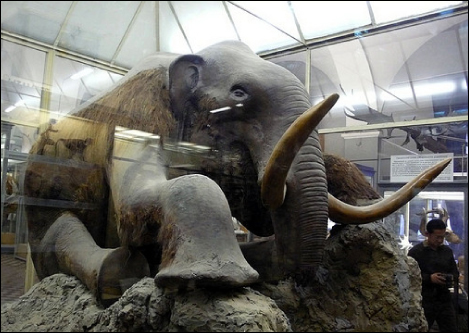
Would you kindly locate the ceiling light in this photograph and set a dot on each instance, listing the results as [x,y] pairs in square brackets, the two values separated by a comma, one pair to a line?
[10,108]
[421,90]
[434,88]
[81,73]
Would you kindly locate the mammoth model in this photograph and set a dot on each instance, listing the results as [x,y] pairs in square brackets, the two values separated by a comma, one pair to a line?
[108,210]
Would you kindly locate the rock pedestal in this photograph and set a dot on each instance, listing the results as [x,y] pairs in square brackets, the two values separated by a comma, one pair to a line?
[366,283]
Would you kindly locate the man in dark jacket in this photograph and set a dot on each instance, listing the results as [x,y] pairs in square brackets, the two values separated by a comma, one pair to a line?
[439,271]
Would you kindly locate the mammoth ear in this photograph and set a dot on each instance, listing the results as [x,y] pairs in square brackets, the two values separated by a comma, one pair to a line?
[183,80]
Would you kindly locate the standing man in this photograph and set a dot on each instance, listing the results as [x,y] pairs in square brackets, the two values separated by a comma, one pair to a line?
[439,271]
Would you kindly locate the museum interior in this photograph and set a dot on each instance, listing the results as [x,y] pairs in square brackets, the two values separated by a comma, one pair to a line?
[400,70]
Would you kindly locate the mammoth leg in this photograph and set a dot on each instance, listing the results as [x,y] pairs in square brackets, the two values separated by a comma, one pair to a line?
[187,220]
[199,247]
[68,247]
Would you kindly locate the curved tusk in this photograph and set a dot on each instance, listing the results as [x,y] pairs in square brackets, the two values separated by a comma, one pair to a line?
[275,175]
[347,214]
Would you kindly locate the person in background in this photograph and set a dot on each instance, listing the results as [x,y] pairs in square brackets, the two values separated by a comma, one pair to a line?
[439,272]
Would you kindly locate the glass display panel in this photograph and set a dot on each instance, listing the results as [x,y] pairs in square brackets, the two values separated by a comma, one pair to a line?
[22,83]
[16,142]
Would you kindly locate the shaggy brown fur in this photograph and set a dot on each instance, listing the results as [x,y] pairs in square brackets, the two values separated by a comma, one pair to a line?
[142,103]
[346,182]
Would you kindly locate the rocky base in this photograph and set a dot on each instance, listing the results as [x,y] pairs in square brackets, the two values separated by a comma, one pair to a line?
[367,283]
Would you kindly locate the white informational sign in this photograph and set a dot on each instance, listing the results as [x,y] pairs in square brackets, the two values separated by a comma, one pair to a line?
[406,167]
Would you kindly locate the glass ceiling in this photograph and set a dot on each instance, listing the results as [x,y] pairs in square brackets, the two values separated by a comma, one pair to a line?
[393,63]
[120,33]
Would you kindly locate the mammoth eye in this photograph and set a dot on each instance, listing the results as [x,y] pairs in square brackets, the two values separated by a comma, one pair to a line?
[238,93]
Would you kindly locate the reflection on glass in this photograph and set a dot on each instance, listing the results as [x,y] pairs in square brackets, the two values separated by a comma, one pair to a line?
[22,77]
[410,220]
[16,140]
[76,83]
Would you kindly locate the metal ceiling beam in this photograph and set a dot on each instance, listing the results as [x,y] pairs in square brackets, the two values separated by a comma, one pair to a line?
[298,26]
[41,46]
[261,19]
[353,34]
[127,31]
[231,20]
[157,26]
[176,17]
[65,23]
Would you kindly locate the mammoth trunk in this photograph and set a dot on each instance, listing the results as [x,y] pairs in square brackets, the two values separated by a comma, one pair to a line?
[301,222]
[294,188]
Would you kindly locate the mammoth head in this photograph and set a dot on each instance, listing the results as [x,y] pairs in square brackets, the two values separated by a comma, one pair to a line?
[227,93]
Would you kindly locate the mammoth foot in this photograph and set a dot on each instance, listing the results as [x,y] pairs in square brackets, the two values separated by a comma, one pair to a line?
[120,269]
[205,275]
[199,246]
